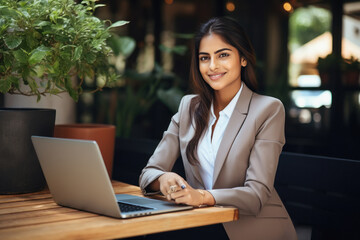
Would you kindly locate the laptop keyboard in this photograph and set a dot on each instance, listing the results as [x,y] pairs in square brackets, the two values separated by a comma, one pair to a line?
[125,207]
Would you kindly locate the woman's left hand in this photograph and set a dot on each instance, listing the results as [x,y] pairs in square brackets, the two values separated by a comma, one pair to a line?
[191,196]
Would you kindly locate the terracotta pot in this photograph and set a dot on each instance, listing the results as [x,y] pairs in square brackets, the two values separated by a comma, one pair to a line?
[103,134]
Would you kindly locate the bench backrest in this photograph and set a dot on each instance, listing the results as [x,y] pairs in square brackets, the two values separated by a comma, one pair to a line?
[322,192]
[132,155]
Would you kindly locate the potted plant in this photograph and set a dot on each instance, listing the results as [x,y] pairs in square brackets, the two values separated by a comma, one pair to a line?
[325,66]
[44,46]
[350,69]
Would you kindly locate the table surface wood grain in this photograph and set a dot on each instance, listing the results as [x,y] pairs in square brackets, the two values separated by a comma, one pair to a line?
[37,216]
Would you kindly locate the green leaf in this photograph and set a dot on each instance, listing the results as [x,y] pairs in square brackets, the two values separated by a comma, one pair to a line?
[122,45]
[33,85]
[5,83]
[25,74]
[21,56]
[118,24]
[72,92]
[42,23]
[77,53]
[99,5]
[7,60]
[31,40]
[2,69]
[12,41]
[38,54]
[3,26]
[38,97]
[171,98]
[40,70]
[90,57]
[57,27]
[8,12]
[54,91]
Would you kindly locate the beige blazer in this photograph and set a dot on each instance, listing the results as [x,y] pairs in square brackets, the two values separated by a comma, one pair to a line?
[245,165]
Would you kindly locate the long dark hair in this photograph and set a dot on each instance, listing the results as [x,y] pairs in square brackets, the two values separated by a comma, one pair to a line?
[233,34]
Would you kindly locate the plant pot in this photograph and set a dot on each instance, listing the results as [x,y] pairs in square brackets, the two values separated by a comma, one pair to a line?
[103,134]
[62,103]
[20,170]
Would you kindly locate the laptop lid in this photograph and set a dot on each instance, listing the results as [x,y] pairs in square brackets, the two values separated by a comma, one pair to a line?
[76,176]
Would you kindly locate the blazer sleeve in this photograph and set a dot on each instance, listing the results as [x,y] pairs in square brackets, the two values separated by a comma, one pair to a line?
[269,138]
[165,154]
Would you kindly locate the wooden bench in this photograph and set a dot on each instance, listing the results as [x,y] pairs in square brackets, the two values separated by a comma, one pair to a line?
[322,193]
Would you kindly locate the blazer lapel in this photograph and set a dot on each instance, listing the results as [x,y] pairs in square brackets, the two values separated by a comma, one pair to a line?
[236,121]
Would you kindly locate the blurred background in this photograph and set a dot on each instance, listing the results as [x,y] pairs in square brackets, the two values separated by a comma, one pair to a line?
[307,56]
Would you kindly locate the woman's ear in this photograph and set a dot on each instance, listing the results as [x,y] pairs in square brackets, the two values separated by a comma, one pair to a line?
[243,62]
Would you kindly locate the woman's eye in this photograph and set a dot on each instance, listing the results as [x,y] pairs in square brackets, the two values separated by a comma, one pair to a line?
[223,55]
[203,58]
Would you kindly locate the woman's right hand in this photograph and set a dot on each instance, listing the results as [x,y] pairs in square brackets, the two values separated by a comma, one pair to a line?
[170,182]
[174,187]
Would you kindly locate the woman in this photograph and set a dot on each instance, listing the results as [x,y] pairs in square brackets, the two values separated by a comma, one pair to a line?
[229,138]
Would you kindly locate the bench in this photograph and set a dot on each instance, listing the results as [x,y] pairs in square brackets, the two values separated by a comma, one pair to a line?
[321,194]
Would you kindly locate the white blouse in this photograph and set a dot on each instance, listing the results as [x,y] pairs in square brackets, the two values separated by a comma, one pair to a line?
[208,148]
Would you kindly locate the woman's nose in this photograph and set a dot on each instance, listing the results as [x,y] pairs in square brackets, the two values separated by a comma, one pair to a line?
[213,64]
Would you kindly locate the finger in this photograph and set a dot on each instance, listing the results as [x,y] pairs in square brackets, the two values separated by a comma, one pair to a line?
[175,195]
[182,200]
[170,188]
[165,188]
[163,191]
[179,194]
[181,183]
[173,188]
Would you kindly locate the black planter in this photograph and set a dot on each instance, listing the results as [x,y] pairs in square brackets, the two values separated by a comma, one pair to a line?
[20,171]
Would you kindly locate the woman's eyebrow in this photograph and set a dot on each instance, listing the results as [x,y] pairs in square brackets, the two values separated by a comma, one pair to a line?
[223,49]
[203,53]
[217,51]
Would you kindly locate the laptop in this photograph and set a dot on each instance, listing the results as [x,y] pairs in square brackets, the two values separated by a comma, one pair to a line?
[77,178]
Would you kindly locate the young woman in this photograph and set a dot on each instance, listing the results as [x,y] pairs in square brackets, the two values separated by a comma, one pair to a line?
[228,136]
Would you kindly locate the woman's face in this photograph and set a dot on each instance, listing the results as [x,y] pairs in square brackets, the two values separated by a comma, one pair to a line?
[220,64]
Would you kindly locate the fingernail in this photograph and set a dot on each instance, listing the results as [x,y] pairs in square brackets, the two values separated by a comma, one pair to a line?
[183,186]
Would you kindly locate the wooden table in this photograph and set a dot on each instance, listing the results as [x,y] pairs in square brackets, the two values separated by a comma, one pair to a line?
[37,216]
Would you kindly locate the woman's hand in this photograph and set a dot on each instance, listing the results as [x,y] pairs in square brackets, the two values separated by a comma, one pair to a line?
[170,182]
[176,188]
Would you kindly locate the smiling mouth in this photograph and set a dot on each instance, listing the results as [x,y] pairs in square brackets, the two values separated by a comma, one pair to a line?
[216,76]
